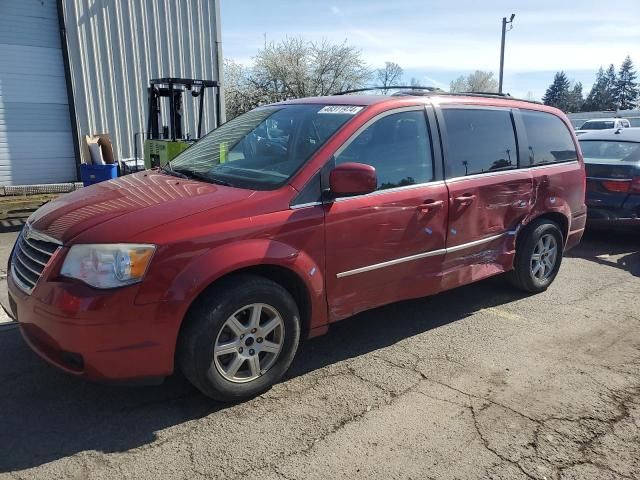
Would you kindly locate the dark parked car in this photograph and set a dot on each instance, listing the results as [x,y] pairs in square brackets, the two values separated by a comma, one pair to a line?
[612,159]
[289,218]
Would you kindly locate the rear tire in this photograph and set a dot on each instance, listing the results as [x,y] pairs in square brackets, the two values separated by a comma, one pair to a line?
[240,338]
[538,256]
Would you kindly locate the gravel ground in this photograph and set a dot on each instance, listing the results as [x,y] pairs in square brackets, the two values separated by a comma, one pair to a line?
[479,382]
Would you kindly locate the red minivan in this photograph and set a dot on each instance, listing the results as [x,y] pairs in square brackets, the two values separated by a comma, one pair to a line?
[288,218]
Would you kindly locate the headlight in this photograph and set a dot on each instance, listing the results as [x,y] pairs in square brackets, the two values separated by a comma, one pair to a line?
[108,265]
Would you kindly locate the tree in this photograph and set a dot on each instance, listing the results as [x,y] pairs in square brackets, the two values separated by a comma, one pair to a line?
[603,92]
[458,85]
[601,96]
[478,81]
[239,95]
[557,95]
[293,68]
[610,89]
[576,99]
[626,92]
[595,99]
[390,75]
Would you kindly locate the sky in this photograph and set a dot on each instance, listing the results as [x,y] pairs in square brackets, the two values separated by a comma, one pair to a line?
[435,41]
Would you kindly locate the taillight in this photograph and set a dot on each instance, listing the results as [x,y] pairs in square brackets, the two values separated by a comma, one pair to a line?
[618,186]
[635,185]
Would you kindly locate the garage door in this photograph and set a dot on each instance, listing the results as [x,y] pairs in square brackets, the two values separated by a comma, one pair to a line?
[35,131]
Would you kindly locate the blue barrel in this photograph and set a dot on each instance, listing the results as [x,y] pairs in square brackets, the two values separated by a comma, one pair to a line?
[90,174]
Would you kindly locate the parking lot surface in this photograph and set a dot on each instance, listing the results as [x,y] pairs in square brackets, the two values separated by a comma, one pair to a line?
[479,382]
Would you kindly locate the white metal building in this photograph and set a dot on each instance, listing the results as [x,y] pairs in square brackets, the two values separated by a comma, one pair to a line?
[74,67]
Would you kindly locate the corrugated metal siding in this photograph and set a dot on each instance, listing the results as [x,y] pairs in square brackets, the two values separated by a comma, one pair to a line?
[35,132]
[115,47]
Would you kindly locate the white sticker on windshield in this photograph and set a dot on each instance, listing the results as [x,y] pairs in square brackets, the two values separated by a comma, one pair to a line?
[342,109]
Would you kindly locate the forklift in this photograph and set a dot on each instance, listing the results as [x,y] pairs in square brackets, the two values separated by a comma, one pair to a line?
[165,142]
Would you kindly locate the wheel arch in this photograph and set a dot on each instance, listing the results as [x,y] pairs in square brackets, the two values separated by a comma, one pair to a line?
[556,217]
[297,271]
[283,276]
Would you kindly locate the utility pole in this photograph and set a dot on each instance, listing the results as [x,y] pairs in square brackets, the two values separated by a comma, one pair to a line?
[505,22]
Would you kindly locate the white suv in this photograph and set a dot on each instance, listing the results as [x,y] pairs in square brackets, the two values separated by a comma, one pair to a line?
[603,124]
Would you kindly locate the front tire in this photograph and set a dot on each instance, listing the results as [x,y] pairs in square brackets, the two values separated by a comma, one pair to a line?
[240,338]
[538,256]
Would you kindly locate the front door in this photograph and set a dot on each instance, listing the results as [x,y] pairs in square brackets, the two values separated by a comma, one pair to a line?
[387,245]
[488,195]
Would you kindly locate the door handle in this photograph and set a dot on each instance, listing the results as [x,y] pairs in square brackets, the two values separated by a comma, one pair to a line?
[465,199]
[430,205]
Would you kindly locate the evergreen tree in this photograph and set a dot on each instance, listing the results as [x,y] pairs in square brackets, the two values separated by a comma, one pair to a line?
[602,94]
[626,93]
[610,89]
[595,98]
[557,95]
[575,98]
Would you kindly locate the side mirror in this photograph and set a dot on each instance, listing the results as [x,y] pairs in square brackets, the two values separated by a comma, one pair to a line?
[352,179]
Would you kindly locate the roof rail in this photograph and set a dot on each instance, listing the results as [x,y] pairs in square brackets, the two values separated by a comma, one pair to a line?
[425,91]
[391,87]
[492,95]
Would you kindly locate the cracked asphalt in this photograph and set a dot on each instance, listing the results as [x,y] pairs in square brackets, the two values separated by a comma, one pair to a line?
[479,382]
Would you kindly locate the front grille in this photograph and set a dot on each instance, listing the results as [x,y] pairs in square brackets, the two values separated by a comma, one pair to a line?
[31,255]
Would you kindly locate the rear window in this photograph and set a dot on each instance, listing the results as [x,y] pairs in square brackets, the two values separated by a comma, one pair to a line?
[479,141]
[549,140]
[597,125]
[610,150]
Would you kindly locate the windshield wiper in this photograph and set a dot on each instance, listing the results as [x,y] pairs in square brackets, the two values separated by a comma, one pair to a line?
[210,179]
[168,169]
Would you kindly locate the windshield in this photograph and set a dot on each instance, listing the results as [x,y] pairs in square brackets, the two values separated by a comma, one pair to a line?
[597,125]
[610,150]
[263,148]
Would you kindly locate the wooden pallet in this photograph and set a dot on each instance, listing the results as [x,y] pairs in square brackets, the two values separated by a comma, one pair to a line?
[21,206]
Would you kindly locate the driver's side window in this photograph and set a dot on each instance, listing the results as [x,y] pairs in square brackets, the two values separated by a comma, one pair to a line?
[397,146]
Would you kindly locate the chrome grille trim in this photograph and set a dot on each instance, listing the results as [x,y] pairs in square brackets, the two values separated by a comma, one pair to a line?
[26,254]
[35,247]
[25,265]
[31,255]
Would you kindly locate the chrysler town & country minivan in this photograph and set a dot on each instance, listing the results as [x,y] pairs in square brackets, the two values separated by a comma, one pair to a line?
[289,218]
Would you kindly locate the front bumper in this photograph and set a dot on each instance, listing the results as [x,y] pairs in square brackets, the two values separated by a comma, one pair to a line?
[100,335]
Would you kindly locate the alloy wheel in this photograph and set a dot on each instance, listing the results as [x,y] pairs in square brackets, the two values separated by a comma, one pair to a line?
[249,343]
[545,255]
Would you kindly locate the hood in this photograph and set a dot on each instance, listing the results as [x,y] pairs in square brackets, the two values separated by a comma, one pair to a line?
[143,200]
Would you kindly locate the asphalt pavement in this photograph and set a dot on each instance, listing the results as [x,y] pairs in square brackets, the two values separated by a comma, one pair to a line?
[478,382]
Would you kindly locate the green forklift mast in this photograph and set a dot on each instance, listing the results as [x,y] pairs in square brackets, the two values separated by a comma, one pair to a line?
[165,142]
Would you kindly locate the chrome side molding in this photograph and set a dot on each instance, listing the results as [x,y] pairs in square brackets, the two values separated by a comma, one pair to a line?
[431,253]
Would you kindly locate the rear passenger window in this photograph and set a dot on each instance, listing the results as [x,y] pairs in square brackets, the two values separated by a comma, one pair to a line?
[479,141]
[549,139]
[397,146]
